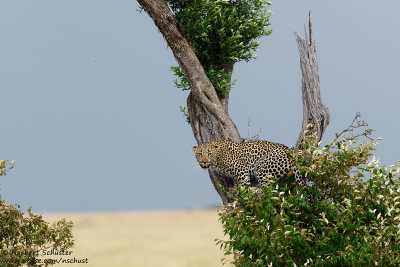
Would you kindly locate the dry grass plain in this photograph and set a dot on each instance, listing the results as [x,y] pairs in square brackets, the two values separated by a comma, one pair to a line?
[144,239]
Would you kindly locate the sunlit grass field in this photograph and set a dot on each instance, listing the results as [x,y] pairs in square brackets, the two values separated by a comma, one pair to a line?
[164,238]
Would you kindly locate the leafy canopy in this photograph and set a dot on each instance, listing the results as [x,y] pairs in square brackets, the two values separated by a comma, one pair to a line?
[221,33]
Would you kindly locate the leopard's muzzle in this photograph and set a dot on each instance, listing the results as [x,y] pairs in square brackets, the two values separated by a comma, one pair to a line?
[205,164]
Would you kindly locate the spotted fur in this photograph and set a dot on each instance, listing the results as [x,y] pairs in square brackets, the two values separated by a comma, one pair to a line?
[240,161]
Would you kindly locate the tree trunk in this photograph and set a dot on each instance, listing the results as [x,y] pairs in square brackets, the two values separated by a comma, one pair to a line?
[208,113]
[314,110]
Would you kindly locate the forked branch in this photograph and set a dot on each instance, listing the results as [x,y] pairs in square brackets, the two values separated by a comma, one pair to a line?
[355,124]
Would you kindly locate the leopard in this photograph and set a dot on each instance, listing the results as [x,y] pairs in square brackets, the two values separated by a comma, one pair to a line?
[241,161]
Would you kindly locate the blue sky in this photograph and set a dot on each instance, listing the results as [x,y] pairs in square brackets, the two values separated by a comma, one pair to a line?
[91,116]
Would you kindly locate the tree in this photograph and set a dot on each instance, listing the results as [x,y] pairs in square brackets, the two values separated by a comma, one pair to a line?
[356,220]
[207,38]
[24,236]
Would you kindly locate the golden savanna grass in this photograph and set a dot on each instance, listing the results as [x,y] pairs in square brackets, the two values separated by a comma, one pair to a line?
[164,238]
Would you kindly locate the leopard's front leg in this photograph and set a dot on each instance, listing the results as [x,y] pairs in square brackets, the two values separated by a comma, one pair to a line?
[242,178]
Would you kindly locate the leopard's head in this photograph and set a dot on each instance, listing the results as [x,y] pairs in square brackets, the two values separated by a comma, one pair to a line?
[205,153]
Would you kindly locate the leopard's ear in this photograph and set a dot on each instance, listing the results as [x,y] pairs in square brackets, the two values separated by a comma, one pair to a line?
[194,148]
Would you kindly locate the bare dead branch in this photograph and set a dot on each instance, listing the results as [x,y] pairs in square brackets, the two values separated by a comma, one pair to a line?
[314,111]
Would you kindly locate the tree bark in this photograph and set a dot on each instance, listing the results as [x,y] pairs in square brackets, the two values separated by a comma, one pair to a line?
[314,110]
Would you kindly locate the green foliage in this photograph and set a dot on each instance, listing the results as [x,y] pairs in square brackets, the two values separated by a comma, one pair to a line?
[183,110]
[354,220]
[221,33]
[181,82]
[24,236]
[220,80]
[5,166]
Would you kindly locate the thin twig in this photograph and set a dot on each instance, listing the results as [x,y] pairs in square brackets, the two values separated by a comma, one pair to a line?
[139,9]
[248,128]
[256,137]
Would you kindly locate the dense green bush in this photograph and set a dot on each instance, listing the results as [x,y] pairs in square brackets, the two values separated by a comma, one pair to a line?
[24,236]
[353,219]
